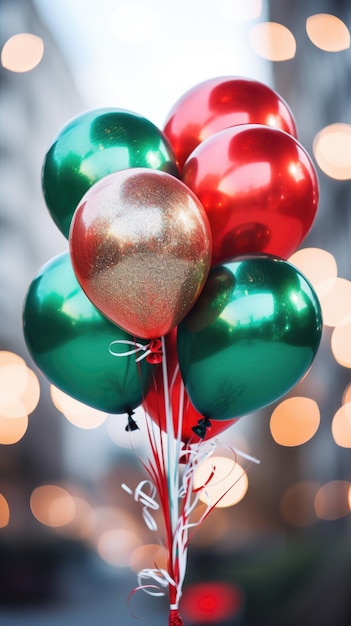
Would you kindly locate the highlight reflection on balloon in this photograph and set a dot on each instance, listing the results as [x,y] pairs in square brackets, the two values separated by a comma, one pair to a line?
[141,249]
[259,189]
[69,341]
[95,144]
[251,336]
[220,103]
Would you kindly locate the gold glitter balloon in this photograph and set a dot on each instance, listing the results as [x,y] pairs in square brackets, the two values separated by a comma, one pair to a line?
[141,246]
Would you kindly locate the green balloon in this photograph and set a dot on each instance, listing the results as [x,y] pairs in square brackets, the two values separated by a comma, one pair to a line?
[69,340]
[95,144]
[251,336]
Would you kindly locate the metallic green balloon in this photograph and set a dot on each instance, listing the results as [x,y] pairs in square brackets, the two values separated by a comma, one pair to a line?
[92,145]
[69,341]
[251,336]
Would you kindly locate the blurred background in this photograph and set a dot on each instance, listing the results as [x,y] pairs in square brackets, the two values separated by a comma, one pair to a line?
[71,540]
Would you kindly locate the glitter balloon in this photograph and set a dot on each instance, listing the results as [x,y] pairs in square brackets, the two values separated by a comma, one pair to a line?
[141,249]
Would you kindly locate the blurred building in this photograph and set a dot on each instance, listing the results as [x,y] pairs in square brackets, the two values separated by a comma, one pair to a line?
[290,574]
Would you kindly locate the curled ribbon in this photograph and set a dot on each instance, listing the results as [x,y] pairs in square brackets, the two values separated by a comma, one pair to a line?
[160,576]
[152,351]
[147,500]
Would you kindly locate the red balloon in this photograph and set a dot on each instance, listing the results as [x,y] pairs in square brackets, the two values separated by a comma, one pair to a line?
[219,103]
[258,187]
[154,402]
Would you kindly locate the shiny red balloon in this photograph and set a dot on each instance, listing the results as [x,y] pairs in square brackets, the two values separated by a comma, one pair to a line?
[219,103]
[154,402]
[259,189]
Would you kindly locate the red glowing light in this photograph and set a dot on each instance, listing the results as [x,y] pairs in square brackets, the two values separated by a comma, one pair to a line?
[211,602]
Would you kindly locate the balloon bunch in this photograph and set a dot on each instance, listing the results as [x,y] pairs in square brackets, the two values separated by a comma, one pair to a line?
[178,241]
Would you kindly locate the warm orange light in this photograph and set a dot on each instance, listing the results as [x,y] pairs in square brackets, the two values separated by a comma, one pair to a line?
[150,555]
[116,545]
[315,263]
[11,406]
[52,505]
[12,429]
[273,41]
[341,342]
[297,503]
[22,52]
[328,32]
[31,395]
[13,374]
[332,500]
[341,426]
[294,421]
[237,10]
[4,512]
[76,412]
[224,481]
[332,150]
[83,524]
[335,299]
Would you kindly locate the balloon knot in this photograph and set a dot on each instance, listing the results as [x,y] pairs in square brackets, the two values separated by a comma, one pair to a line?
[203,426]
[132,425]
[155,352]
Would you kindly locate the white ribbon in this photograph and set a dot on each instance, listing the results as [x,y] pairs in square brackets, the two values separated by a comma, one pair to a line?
[138,347]
[159,576]
[148,501]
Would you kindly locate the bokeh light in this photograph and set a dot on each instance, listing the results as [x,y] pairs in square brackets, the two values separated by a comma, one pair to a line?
[341,342]
[225,481]
[151,555]
[332,150]
[76,412]
[4,512]
[83,524]
[341,426]
[331,501]
[31,395]
[328,32]
[19,387]
[13,373]
[335,299]
[212,602]
[116,545]
[52,505]
[12,429]
[295,421]
[22,52]
[297,503]
[273,41]
[315,263]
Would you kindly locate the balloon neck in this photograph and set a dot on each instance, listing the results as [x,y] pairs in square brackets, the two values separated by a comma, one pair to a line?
[154,352]
[132,425]
[175,618]
[202,427]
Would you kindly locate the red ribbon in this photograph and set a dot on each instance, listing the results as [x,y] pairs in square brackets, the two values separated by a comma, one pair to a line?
[174,618]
